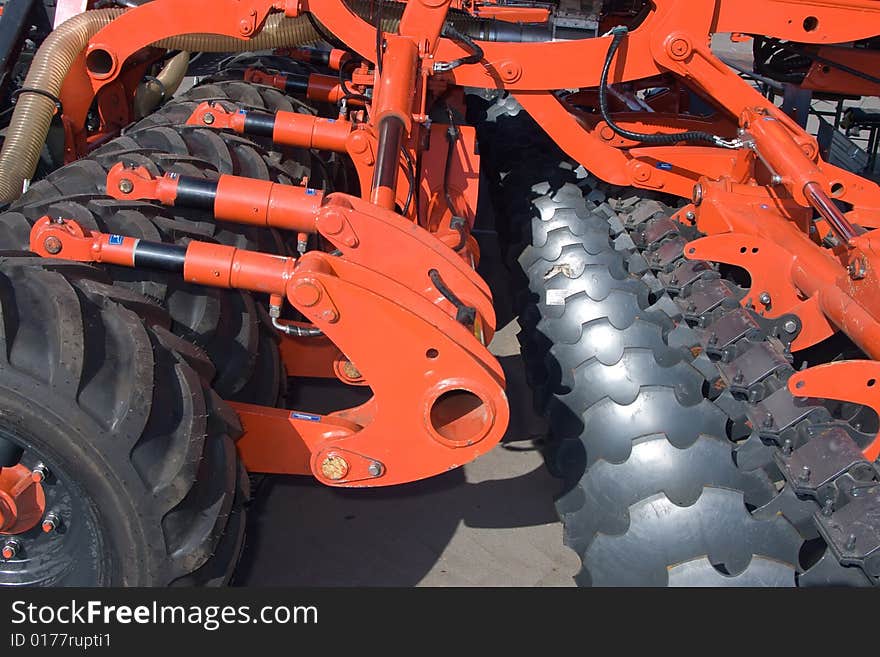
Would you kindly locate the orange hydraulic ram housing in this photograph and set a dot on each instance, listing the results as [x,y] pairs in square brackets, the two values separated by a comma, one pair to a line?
[317,87]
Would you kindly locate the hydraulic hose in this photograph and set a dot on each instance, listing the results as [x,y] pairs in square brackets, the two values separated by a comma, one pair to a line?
[619,33]
[33,112]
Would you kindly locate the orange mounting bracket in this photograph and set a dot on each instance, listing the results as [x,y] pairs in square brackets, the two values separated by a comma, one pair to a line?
[438,394]
[772,292]
[854,381]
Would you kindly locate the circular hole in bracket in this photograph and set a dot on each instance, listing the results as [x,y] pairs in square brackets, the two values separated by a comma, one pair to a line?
[837,189]
[432,353]
[811,23]
[872,383]
[799,385]
[460,417]
[100,63]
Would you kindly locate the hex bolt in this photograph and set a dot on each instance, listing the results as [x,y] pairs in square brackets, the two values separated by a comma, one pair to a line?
[789,326]
[768,421]
[52,244]
[765,298]
[126,186]
[738,377]
[787,446]
[805,473]
[208,118]
[691,216]
[851,542]
[51,522]
[375,468]
[10,549]
[39,473]
[828,508]
[713,338]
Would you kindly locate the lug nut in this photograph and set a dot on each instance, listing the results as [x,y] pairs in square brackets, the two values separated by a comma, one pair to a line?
[39,473]
[126,186]
[51,522]
[790,326]
[208,118]
[10,549]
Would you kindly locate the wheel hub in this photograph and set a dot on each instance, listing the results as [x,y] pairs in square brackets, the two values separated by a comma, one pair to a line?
[22,499]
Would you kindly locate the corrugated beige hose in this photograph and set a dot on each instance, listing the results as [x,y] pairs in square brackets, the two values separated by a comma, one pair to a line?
[152,91]
[33,112]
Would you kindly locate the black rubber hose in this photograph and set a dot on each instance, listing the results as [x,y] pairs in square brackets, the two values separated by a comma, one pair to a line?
[462,39]
[620,33]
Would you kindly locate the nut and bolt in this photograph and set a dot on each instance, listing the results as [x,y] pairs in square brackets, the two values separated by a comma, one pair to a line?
[805,473]
[789,326]
[208,118]
[375,468]
[39,473]
[851,542]
[828,508]
[126,186]
[857,269]
[691,216]
[765,298]
[51,522]
[52,244]
[10,549]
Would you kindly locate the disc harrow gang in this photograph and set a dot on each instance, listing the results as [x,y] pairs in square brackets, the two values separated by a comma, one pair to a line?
[686,457]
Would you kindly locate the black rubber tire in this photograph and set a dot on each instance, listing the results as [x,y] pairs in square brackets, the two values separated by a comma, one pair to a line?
[632,405]
[231,326]
[121,409]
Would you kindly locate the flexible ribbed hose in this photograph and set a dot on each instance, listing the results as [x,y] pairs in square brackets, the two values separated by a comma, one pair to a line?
[33,112]
[152,91]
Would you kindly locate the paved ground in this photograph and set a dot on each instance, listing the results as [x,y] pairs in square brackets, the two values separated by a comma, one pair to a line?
[491,523]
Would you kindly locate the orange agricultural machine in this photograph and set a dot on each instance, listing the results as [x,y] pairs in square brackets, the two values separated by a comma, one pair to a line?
[696,273]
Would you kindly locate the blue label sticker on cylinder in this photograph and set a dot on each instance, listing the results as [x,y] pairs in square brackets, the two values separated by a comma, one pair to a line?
[115,239]
[310,191]
[665,166]
[295,415]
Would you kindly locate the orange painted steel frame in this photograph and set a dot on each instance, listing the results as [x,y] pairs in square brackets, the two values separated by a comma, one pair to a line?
[759,196]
